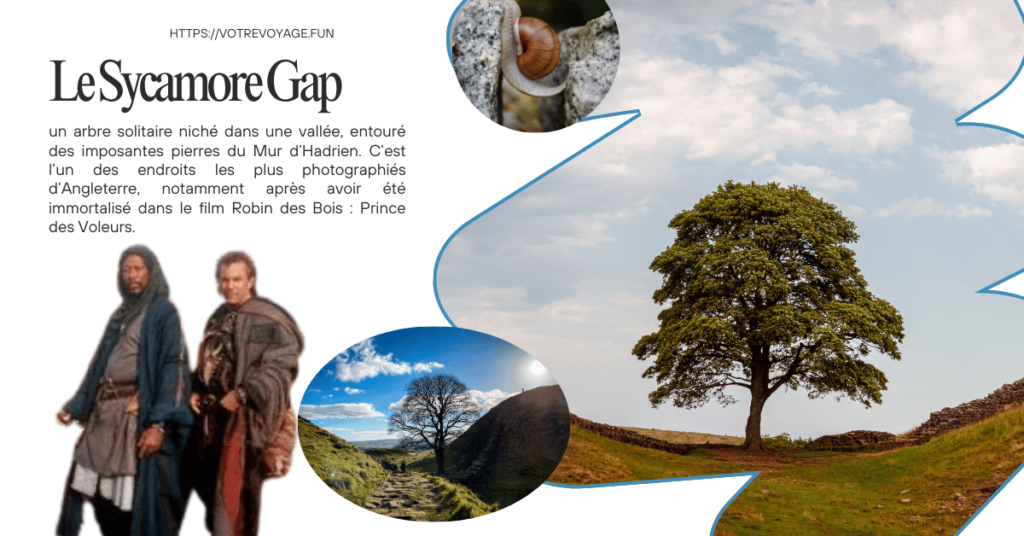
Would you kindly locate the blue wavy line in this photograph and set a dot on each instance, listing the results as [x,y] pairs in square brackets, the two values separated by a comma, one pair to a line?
[998,93]
[988,289]
[978,513]
[752,475]
[437,262]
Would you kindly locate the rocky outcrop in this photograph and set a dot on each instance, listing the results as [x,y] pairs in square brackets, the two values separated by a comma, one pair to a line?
[590,59]
[1006,397]
[476,55]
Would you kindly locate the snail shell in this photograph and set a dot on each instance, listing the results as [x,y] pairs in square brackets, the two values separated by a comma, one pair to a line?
[541,48]
[513,44]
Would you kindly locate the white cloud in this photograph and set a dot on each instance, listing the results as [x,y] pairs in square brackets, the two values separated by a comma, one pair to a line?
[396,406]
[426,367]
[958,52]
[995,171]
[738,112]
[724,46]
[314,390]
[853,210]
[814,88]
[335,388]
[951,45]
[489,399]
[351,391]
[914,206]
[814,178]
[339,411]
[678,17]
[362,361]
[486,399]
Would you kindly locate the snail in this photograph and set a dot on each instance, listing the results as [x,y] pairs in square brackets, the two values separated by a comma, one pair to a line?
[529,50]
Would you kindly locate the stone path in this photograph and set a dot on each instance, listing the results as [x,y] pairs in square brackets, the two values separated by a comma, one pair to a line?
[404,496]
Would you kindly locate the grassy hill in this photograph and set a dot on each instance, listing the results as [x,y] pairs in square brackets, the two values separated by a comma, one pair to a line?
[687,438]
[512,449]
[929,489]
[342,466]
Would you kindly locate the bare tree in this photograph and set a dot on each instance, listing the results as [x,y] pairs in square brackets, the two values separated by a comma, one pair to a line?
[435,411]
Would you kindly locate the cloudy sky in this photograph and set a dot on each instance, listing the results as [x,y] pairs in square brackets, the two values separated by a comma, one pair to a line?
[355,392]
[855,100]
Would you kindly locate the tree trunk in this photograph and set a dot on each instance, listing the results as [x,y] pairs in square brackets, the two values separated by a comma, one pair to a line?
[754,441]
[758,396]
[439,456]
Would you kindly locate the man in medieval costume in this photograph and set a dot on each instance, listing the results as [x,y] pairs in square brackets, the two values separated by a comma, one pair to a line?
[133,405]
[247,362]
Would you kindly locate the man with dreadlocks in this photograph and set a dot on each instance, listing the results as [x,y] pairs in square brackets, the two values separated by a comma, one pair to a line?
[133,405]
[246,430]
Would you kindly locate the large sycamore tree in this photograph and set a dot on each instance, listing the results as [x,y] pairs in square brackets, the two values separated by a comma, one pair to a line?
[436,409]
[763,293]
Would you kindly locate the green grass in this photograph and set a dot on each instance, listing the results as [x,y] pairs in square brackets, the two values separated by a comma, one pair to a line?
[593,459]
[686,438]
[456,502]
[844,497]
[396,456]
[826,493]
[343,467]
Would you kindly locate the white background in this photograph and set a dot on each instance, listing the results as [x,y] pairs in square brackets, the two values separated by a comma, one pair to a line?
[344,278]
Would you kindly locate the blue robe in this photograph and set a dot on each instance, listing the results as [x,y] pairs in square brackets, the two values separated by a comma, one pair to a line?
[164,388]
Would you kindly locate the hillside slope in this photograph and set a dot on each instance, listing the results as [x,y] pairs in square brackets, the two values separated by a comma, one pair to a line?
[512,449]
[342,466]
[929,489]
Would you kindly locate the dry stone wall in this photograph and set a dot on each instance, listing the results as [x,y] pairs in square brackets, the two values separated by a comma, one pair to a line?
[1006,397]
[940,422]
[628,436]
[859,439]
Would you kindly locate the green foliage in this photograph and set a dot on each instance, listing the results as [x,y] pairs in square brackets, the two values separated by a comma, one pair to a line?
[763,292]
[784,442]
[343,467]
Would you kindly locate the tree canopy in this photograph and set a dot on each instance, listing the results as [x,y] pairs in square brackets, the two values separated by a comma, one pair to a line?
[763,292]
[437,408]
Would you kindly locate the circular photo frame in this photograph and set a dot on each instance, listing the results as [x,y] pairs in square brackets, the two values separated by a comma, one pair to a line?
[433,424]
[535,65]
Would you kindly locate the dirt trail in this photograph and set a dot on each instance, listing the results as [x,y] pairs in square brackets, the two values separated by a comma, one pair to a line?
[404,496]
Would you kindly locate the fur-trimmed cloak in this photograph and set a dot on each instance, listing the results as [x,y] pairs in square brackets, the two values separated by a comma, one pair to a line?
[267,343]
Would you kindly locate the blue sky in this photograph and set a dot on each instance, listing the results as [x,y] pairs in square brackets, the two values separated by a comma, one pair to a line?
[355,392]
[855,101]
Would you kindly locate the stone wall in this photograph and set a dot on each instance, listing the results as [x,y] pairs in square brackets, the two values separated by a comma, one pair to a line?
[1006,397]
[628,436]
[859,439]
[940,422]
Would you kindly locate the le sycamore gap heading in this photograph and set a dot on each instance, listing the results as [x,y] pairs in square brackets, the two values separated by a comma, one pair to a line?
[283,82]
